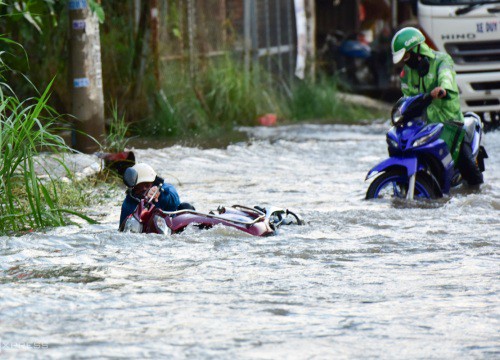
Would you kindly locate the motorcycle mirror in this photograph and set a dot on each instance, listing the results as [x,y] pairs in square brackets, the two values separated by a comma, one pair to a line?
[130,177]
[158,181]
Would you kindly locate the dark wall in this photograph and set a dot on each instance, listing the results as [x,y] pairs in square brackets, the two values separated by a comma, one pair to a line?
[343,17]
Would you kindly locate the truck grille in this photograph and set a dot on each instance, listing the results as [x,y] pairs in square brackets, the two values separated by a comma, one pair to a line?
[485,102]
[474,52]
[484,86]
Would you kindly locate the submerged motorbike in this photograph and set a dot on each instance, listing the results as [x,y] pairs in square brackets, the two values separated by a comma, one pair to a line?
[420,164]
[258,221]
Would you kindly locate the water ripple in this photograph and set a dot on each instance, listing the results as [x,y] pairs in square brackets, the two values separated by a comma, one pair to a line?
[363,279]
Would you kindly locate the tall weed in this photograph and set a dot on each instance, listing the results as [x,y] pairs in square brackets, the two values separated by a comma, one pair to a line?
[230,95]
[319,100]
[224,95]
[26,129]
[116,139]
[221,96]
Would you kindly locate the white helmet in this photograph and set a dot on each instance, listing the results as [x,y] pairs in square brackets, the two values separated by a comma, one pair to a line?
[145,173]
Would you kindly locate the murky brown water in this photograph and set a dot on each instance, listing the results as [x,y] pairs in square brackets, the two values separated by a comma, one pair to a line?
[360,280]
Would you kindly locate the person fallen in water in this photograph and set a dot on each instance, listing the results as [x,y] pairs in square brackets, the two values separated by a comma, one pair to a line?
[148,184]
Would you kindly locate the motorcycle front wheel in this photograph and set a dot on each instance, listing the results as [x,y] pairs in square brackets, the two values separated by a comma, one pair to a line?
[394,184]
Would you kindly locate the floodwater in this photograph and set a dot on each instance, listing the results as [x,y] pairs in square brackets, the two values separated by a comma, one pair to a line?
[362,280]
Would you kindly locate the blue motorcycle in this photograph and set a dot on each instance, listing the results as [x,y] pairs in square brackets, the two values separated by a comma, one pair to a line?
[420,164]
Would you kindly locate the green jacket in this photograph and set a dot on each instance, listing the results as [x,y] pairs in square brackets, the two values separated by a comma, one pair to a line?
[441,73]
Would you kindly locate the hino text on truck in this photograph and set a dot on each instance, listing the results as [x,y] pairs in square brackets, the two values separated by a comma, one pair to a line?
[469,31]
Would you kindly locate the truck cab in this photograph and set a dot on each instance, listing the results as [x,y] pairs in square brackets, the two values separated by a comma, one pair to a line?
[469,31]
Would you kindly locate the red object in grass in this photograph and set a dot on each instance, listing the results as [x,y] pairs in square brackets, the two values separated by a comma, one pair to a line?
[118,161]
[268,120]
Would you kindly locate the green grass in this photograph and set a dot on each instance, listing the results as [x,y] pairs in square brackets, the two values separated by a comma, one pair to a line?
[224,95]
[27,201]
[116,139]
[319,100]
[29,195]
[229,95]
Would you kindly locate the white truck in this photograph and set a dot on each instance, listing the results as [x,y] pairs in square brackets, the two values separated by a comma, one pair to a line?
[469,31]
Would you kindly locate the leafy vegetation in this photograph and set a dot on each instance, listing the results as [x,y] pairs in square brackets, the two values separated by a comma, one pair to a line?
[28,200]
[224,95]
[117,138]
[217,96]
[319,100]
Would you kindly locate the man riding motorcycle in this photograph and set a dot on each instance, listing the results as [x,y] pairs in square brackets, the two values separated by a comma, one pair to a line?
[430,71]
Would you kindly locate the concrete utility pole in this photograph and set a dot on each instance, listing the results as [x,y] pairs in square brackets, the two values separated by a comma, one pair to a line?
[394,13]
[155,41]
[311,38]
[86,76]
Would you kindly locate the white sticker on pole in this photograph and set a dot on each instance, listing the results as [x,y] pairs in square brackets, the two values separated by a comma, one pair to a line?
[301,26]
[81,82]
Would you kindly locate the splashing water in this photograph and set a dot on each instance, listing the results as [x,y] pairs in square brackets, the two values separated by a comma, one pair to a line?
[363,279]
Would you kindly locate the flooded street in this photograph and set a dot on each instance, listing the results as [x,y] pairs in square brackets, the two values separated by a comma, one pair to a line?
[363,279]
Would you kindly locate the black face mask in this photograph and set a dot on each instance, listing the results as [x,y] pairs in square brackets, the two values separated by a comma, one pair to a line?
[422,65]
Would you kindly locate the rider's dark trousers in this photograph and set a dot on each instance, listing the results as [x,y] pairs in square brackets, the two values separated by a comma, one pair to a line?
[467,166]
[185,206]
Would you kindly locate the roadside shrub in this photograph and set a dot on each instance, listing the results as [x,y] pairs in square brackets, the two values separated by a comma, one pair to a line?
[29,195]
[319,100]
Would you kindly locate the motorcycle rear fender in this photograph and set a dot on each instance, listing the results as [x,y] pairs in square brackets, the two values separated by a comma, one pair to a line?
[410,164]
[473,131]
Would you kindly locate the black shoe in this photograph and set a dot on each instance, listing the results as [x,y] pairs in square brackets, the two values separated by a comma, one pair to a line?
[474,187]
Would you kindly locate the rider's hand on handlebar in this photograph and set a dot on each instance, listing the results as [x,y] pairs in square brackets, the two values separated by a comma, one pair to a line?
[438,93]
[153,191]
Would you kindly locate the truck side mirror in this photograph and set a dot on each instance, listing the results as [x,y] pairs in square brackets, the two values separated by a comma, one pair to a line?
[130,177]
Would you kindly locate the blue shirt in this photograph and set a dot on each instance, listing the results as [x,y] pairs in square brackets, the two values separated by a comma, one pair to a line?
[168,201]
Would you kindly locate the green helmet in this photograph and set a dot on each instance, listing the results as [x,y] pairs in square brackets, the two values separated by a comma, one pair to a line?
[404,40]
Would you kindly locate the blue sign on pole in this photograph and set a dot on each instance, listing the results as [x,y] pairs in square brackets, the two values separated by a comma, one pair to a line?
[77,4]
[79,24]
[81,82]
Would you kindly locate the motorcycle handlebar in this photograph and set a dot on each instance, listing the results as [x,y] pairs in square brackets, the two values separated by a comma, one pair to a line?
[158,189]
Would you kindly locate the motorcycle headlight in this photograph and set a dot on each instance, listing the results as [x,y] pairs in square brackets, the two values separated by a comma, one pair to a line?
[425,139]
[132,225]
[161,225]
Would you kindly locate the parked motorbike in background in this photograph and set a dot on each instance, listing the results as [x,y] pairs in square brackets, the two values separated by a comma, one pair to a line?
[420,164]
[356,64]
